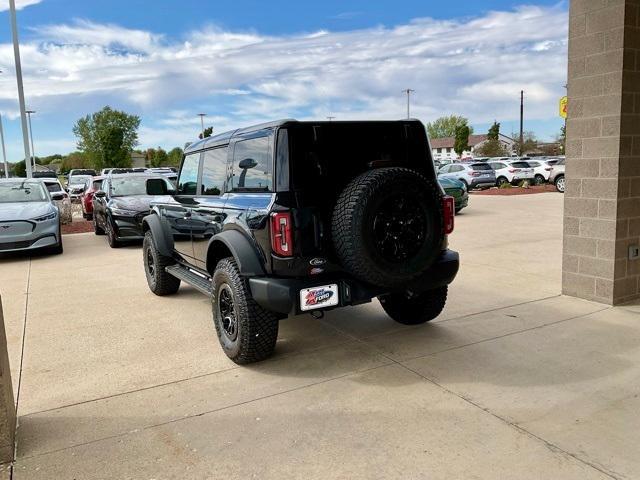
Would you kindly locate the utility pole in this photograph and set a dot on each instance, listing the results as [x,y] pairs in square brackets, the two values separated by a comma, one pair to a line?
[331,118]
[33,150]
[202,115]
[408,91]
[521,152]
[23,116]
[4,152]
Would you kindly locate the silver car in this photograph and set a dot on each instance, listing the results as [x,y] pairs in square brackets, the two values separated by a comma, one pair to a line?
[29,219]
[473,175]
[556,176]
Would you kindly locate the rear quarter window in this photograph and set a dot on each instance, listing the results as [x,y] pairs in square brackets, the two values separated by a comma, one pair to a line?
[253,165]
[520,164]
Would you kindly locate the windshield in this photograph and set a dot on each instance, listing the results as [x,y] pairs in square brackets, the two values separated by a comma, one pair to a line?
[79,179]
[22,192]
[124,187]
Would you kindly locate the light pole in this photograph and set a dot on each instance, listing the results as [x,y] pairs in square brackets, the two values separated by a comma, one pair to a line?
[408,91]
[331,118]
[23,116]
[202,115]
[33,150]
[521,152]
[4,152]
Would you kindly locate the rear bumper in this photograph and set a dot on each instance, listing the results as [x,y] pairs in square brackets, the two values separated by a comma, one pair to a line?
[282,294]
[482,183]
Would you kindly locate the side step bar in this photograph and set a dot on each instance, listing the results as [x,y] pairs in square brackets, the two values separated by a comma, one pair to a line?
[197,281]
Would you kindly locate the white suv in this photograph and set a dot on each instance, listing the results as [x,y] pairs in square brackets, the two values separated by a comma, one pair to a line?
[542,169]
[512,172]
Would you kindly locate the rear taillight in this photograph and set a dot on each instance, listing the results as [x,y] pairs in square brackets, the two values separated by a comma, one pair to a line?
[449,209]
[475,174]
[281,234]
[548,169]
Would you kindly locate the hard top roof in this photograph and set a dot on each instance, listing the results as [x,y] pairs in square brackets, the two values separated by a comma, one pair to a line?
[226,137]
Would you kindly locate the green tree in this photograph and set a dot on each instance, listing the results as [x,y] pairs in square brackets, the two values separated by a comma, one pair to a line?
[446,126]
[75,160]
[207,133]
[494,131]
[159,158]
[107,137]
[461,139]
[174,157]
[20,169]
[491,148]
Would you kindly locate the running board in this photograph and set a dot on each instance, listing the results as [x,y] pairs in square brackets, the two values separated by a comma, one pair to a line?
[197,281]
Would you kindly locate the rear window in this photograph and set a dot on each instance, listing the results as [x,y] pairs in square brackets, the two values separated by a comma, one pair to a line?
[97,184]
[520,164]
[53,187]
[480,166]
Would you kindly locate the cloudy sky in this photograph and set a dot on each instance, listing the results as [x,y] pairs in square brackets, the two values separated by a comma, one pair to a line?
[247,61]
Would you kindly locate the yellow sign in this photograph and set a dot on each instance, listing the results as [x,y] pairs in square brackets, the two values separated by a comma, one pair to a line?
[563,107]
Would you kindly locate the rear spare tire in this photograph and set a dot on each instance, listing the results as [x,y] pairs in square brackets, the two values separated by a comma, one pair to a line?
[387,226]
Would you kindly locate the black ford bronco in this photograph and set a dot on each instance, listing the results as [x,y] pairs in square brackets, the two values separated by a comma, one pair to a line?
[300,217]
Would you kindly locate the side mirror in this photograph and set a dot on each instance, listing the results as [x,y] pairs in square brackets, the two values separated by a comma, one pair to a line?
[57,196]
[100,194]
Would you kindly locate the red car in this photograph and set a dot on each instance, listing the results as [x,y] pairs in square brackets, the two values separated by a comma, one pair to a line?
[86,199]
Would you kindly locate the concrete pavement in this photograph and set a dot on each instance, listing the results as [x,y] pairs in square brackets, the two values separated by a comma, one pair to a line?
[512,381]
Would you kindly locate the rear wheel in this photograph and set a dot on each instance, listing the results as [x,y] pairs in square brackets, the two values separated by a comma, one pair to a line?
[502,181]
[539,179]
[414,309]
[560,183]
[466,185]
[246,331]
[160,282]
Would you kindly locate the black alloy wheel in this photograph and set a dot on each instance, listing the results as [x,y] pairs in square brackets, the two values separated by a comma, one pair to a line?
[399,228]
[227,312]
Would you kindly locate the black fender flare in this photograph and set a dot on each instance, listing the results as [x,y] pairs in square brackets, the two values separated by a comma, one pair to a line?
[162,239]
[243,251]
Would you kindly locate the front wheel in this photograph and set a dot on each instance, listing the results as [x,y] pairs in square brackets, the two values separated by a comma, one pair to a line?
[414,309]
[560,183]
[112,237]
[160,282]
[247,332]
[97,229]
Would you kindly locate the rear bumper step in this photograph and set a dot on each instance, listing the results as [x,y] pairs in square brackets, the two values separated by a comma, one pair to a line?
[196,280]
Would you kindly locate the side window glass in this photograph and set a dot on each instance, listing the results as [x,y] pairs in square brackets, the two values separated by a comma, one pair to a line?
[188,181]
[214,171]
[252,165]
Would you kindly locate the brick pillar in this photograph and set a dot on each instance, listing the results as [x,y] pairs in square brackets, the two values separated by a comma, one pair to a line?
[602,197]
[7,407]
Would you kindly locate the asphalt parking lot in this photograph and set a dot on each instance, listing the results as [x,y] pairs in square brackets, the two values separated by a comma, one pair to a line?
[512,381]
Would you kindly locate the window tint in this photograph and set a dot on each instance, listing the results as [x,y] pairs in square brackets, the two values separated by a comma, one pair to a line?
[457,168]
[534,164]
[480,166]
[214,171]
[97,184]
[520,164]
[252,164]
[561,162]
[444,169]
[188,181]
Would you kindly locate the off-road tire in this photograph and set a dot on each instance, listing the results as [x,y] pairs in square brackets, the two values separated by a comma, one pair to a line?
[560,183]
[357,215]
[415,309]
[257,328]
[98,230]
[160,282]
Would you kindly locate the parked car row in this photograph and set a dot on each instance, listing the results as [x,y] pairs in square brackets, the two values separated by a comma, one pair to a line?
[498,172]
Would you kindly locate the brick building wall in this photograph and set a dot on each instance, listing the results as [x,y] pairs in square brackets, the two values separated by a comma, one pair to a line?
[602,198]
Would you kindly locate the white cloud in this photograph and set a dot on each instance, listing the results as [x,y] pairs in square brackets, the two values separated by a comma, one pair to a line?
[475,67]
[20,4]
